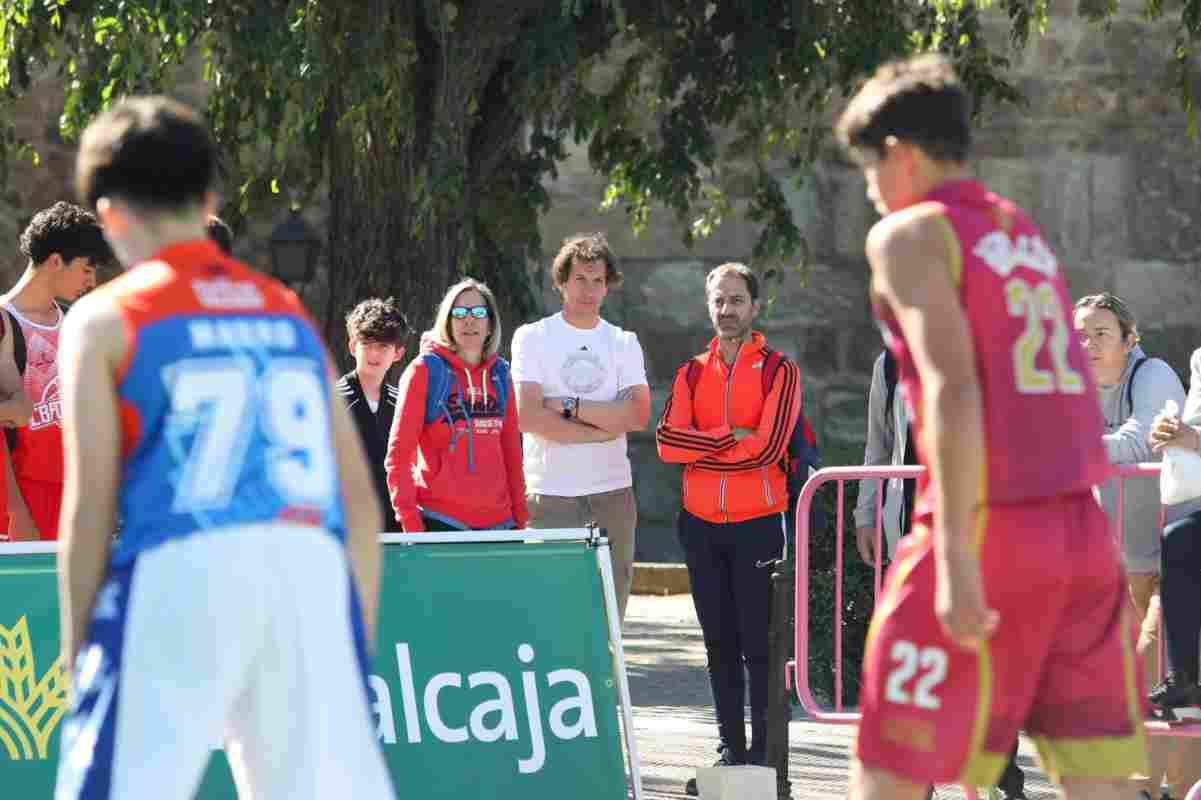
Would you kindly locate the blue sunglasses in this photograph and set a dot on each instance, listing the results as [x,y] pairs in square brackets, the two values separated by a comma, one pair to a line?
[461,312]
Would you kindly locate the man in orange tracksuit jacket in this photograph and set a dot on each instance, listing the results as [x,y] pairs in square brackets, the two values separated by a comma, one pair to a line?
[731,436]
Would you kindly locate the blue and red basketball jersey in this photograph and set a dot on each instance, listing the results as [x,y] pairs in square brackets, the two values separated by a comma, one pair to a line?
[224,398]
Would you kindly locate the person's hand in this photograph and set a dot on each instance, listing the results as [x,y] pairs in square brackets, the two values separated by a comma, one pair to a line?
[959,601]
[865,540]
[1170,431]
[742,433]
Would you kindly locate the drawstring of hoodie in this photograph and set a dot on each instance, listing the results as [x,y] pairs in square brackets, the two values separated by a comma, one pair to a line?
[454,432]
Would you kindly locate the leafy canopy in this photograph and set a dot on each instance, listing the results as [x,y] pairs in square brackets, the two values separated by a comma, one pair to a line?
[434,124]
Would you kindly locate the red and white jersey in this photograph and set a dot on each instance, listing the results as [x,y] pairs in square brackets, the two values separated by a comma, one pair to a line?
[39,452]
[1042,421]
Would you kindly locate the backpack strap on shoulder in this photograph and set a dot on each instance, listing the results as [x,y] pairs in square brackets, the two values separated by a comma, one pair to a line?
[890,382]
[772,359]
[502,379]
[20,353]
[438,387]
[693,376]
[1130,383]
[20,357]
[695,368]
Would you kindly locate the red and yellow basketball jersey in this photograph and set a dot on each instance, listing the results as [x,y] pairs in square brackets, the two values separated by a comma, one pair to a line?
[1042,422]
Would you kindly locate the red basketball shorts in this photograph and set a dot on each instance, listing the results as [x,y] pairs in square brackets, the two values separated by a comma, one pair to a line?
[44,500]
[1061,664]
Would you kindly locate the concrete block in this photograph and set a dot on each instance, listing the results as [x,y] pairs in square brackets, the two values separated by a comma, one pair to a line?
[736,783]
[660,579]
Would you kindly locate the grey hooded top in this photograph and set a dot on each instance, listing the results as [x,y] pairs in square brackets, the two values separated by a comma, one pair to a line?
[1129,412]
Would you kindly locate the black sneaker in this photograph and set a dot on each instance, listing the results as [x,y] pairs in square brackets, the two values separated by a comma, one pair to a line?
[1012,783]
[1175,691]
[726,759]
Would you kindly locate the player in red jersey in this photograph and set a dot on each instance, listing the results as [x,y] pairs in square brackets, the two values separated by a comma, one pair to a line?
[1006,608]
[64,246]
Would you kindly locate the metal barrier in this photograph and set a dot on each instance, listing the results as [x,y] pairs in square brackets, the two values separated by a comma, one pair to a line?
[797,671]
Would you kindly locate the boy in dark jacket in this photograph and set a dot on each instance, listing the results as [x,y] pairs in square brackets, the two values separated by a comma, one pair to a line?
[376,329]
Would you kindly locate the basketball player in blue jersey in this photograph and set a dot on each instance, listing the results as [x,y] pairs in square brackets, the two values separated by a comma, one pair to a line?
[239,598]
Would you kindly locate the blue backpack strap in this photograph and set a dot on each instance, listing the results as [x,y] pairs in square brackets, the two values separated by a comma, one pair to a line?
[438,387]
[502,379]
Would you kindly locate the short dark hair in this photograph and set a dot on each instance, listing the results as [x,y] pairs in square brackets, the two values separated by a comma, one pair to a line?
[740,270]
[919,100]
[68,230]
[220,233]
[377,320]
[585,247]
[154,152]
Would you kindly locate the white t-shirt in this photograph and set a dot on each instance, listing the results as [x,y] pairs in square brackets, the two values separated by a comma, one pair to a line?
[593,364]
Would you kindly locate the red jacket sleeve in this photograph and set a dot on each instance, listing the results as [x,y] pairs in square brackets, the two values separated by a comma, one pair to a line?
[510,443]
[407,425]
[678,442]
[769,442]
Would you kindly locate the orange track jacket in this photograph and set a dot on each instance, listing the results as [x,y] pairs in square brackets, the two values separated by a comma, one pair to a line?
[727,480]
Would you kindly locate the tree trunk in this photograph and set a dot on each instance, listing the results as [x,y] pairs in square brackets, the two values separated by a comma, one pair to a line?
[390,235]
[404,208]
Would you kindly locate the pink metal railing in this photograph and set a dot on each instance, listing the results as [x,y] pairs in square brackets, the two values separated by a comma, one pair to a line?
[797,673]
[801,665]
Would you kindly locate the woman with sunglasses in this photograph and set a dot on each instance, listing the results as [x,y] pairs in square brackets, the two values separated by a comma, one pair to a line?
[454,453]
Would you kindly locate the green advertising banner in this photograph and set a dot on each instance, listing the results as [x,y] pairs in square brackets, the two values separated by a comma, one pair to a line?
[493,675]
[33,686]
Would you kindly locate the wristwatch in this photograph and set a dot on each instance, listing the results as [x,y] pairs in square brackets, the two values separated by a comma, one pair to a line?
[569,407]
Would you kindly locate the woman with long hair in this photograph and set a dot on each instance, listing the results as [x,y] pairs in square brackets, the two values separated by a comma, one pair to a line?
[454,453]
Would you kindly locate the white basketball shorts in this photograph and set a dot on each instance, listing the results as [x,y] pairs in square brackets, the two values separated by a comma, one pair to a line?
[250,634]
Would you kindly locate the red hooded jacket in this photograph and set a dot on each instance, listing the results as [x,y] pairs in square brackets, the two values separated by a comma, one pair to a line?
[465,469]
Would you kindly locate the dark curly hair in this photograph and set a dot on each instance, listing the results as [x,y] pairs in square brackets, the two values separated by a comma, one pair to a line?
[585,247]
[377,320]
[68,230]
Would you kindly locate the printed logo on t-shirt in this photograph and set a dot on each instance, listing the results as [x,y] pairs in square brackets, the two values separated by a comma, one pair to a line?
[583,373]
[41,381]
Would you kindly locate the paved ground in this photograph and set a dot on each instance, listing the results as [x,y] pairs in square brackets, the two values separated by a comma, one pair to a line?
[673,716]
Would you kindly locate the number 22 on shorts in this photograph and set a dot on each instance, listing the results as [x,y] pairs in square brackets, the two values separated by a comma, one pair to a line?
[907,662]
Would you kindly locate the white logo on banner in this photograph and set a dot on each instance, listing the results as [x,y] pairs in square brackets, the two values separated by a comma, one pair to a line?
[494,715]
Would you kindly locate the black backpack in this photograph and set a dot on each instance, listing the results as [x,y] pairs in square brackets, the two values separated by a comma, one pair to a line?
[890,384]
[19,358]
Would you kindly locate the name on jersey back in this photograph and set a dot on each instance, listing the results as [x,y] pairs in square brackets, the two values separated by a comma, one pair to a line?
[225,293]
[1003,254]
[243,334]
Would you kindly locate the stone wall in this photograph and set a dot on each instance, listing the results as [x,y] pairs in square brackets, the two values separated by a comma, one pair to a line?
[1098,153]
